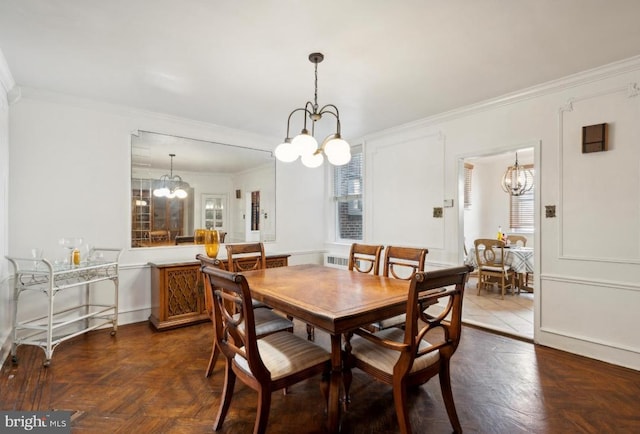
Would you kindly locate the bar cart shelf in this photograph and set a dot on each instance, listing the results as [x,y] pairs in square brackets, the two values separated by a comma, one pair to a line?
[59,324]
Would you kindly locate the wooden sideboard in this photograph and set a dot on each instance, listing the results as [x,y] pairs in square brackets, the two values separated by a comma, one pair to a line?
[177,292]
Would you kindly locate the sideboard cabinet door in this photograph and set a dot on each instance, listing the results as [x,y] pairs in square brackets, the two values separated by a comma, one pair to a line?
[177,295]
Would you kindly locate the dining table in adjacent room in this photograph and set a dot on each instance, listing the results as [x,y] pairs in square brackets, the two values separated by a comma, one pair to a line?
[520,259]
[330,299]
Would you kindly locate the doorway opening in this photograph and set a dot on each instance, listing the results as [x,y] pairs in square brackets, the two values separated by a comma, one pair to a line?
[487,210]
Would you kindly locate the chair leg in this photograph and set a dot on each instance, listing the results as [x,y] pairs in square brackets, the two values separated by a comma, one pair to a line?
[311,333]
[215,352]
[402,412]
[447,395]
[227,394]
[264,405]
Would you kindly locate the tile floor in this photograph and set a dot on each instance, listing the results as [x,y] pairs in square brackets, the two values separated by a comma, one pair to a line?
[513,315]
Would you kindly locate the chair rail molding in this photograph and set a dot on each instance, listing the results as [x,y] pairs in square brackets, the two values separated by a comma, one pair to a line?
[570,326]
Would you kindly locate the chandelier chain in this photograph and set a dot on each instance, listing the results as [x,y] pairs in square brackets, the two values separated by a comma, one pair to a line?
[315,98]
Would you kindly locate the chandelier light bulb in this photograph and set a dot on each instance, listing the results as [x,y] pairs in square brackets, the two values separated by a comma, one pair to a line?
[161,192]
[286,151]
[180,193]
[313,160]
[338,151]
[305,143]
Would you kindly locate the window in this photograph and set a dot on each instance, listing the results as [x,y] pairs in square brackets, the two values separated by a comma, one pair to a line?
[468,171]
[521,208]
[347,194]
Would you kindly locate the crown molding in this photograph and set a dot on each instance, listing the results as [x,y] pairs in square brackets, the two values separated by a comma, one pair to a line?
[7,82]
[581,78]
[6,79]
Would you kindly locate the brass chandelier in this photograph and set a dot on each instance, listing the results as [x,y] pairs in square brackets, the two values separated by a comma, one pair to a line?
[517,180]
[304,145]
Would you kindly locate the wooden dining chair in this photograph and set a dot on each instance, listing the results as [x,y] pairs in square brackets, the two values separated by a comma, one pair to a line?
[518,240]
[365,258]
[266,320]
[266,364]
[403,262]
[490,257]
[246,257]
[410,357]
[400,263]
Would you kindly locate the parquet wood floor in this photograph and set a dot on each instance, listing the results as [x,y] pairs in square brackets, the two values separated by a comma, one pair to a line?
[142,381]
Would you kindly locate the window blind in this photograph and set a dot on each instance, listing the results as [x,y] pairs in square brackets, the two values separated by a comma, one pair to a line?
[521,212]
[468,172]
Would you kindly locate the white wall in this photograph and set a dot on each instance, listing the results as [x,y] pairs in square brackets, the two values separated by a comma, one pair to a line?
[70,176]
[587,280]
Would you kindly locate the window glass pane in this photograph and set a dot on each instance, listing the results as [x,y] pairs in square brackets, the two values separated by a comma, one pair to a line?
[348,185]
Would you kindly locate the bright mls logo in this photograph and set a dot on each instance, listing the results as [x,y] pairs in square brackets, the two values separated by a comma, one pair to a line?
[58,422]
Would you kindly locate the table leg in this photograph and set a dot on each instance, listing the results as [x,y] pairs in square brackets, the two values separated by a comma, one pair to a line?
[334,386]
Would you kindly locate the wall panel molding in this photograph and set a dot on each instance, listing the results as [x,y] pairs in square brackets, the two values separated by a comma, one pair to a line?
[577,112]
[401,206]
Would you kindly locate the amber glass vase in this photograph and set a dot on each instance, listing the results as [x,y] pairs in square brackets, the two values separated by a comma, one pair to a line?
[211,243]
[198,237]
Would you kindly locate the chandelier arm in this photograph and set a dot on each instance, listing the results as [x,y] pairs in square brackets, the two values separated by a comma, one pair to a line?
[297,110]
[326,109]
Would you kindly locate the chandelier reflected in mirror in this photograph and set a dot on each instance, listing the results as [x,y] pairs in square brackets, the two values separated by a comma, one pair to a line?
[517,180]
[304,145]
[171,186]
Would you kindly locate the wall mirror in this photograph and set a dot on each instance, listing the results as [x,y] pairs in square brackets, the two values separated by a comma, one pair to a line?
[181,184]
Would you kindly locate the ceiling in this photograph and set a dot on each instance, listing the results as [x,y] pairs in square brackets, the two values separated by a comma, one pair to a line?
[244,64]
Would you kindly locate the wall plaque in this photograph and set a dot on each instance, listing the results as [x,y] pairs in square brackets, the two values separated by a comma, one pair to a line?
[594,138]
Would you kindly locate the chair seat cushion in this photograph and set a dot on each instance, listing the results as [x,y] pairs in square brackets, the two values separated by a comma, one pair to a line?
[395,321]
[495,269]
[267,322]
[284,353]
[256,304]
[385,359]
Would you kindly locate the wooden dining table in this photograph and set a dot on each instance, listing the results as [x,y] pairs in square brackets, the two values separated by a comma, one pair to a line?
[331,299]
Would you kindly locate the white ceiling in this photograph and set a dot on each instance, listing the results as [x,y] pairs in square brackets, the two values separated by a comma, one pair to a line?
[243,64]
